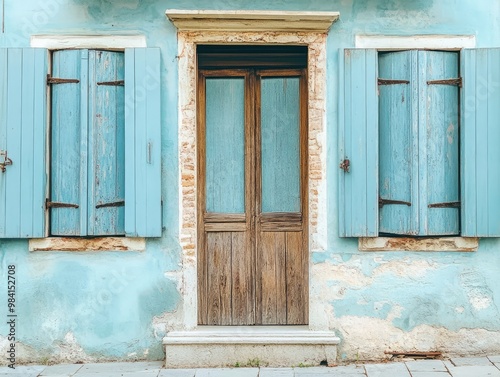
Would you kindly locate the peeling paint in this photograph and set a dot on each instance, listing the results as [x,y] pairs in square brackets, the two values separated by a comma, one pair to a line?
[477,290]
[361,344]
[418,244]
[87,244]
[450,131]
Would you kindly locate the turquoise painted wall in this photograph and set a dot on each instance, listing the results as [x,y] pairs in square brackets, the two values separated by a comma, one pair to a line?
[107,300]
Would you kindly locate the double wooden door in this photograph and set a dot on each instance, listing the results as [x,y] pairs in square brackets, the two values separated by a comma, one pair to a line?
[252,198]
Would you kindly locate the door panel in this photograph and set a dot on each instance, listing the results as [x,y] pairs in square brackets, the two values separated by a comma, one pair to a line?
[230,283]
[272,254]
[296,285]
[280,128]
[225,145]
[219,282]
[242,280]
[282,296]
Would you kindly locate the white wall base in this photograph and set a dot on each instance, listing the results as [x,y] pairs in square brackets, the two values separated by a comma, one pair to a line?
[268,346]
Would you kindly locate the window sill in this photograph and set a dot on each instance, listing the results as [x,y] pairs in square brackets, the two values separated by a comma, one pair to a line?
[80,244]
[418,244]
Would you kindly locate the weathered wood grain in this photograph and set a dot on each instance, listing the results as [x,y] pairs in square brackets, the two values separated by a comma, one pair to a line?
[273,278]
[226,227]
[68,156]
[296,286]
[419,143]
[224,217]
[219,285]
[281,226]
[441,127]
[398,153]
[106,159]
[202,261]
[243,280]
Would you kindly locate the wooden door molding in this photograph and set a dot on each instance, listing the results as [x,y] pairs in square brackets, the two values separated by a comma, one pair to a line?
[187,63]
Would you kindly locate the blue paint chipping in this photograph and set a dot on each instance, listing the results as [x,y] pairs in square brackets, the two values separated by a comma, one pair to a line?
[453,294]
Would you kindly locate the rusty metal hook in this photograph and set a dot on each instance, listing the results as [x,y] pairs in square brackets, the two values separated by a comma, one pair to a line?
[6,161]
[345,165]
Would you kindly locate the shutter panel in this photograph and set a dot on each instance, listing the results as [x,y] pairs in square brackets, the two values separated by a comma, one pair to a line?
[142,143]
[480,140]
[106,175]
[358,191]
[69,135]
[23,135]
[398,106]
[438,144]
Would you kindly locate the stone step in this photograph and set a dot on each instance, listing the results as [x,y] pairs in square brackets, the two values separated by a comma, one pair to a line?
[250,346]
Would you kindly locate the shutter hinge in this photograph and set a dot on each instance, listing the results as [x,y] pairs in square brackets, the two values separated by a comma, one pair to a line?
[345,165]
[119,203]
[382,202]
[56,80]
[391,82]
[112,83]
[455,81]
[49,204]
[445,205]
[6,161]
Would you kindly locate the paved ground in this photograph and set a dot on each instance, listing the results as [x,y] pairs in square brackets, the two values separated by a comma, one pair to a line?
[456,367]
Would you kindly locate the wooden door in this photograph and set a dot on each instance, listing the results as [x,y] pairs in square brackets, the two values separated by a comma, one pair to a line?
[252,213]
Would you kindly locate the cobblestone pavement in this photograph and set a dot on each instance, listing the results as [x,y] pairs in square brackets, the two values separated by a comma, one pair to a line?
[487,366]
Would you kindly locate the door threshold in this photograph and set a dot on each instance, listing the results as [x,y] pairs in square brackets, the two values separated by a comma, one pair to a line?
[252,328]
[251,335]
[218,346]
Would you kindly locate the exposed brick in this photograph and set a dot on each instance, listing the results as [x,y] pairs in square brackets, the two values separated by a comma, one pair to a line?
[187,123]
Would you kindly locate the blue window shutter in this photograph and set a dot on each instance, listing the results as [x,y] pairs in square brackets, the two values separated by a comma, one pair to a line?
[69,136]
[438,143]
[106,163]
[480,138]
[142,143]
[23,135]
[398,138]
[358,137]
